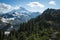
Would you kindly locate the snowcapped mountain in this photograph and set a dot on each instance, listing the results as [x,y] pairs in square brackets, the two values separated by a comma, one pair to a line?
[15,17]
[18,15]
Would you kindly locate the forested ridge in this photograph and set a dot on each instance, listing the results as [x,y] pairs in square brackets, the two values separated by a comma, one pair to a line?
[44,27]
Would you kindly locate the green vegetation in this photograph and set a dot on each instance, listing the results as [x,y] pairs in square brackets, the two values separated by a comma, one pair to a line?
[44,27]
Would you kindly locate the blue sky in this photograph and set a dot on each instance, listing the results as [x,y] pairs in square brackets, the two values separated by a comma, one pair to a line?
[31,5]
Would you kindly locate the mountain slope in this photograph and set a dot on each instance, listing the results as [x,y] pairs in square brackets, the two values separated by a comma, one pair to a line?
[44,27]
[50,18]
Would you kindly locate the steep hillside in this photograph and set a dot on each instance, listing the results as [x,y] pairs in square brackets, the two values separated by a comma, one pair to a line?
[44,27]
[49,18]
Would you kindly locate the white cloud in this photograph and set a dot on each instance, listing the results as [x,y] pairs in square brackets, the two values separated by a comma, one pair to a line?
[36,4]
[4,8]
[52,3]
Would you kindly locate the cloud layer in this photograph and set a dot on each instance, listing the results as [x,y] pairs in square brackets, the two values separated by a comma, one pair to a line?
[36,4]
[32,6]
[4,8]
